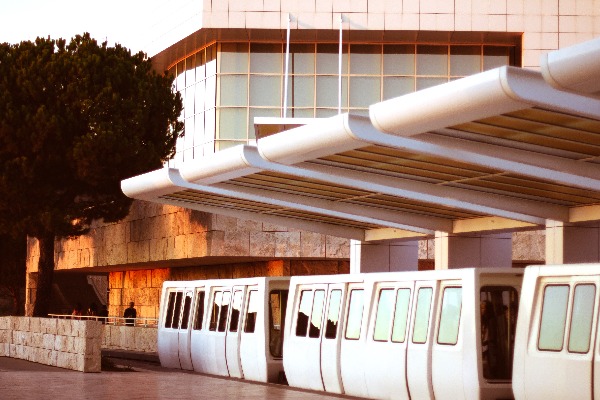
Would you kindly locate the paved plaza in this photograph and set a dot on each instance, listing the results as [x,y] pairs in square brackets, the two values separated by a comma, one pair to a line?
[132,380]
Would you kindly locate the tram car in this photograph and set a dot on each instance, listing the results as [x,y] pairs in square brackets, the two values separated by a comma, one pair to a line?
[477,333]
[226,327]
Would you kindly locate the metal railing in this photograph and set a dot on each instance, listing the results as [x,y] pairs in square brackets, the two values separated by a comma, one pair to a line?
[140,322]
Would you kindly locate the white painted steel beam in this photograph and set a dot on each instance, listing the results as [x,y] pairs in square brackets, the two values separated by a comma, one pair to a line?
[153,185]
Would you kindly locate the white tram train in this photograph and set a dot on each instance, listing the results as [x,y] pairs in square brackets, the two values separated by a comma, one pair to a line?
[422,335]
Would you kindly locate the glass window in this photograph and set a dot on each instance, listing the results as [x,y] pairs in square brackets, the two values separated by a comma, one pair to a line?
[327,59]
[278,305]
[364,91]
[365,59]
[211,60]
[216,307]
[200,65]
[333,314]
[234,58]
[170,308]
[302,59]
[224,311]
[494,57]
[424,83]
[401,315]
[395,86]
[553,318]
[187,304]
[465,60]
[190,70]
[177,310]
[398,59]
[355,314]
[199,317]
[432,60]
[236,308]
[499,306]
[265,90]
[301,92]
[316,316]
[266,58]
[450,316]
[306,297]
[422,315]
[383,318]
[582,316]
[233,90]
[251,311]
[327,91]
[233,123]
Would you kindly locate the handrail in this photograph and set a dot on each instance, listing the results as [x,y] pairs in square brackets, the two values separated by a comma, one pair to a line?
[139,322]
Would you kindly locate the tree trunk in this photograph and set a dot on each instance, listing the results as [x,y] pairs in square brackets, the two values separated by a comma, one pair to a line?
[17,302]
[45,275]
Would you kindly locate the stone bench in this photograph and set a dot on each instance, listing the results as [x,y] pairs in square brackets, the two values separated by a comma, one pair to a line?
[64,343]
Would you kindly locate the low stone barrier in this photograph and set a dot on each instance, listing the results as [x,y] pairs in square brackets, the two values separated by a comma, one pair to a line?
[64,343]
[130,338]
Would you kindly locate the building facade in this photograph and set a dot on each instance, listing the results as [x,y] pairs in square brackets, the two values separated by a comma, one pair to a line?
[247,70]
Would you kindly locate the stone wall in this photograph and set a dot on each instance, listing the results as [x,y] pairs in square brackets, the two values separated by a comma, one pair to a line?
[118,337]
[64,343]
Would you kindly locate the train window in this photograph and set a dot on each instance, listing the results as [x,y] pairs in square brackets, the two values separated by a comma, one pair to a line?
[236,307]
[251,311]
[306,299]
[401,315]
[554,316]
[216,307]
[278,302]
[450,316]
[177,310]
[422,315]
[316,316]
[224,311]
[187,304]
[333,314]
[170,307]
[383,319]
[355,314]
[581,318]
[199,311]
[498,313]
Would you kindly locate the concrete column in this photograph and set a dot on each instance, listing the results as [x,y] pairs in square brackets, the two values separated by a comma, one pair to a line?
[572,243]
[384,256]
[474,250]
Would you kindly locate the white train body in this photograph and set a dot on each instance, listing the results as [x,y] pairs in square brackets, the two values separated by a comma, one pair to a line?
[448,334]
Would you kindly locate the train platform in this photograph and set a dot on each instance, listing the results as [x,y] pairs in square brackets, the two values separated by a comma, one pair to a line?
[131,378]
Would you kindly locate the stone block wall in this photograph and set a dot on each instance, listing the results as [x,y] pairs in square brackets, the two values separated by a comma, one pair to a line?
[118,337]
[64,343]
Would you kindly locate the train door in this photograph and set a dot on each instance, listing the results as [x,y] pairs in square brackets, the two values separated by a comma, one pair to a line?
[184,349]
[418,354]
[216,359]
[352,348]
[562,348]
[168,337]
[447,343]
[197,335]
[252,345]
[330,338]
[232,338]
[385,368]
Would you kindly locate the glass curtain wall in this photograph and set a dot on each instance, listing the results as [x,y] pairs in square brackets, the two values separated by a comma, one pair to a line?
[226,85]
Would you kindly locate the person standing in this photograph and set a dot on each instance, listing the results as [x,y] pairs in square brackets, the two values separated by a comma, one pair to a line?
[129,314]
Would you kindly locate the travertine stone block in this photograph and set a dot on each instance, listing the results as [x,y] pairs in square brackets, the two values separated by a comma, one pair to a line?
[49,325]
[64,327]
[5,322]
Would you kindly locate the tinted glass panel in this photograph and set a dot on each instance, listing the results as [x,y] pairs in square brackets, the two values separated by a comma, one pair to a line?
[199,317]
[401,315]
[233,90]
[422,315]
[266,58]
[187,304]
[465,60]
[554,315]
[306,297]
[224,310]
[170,307]
[302,58]
[365,59]
[450,317]
[177,310]
[252,311]
[581,318]
[499,306]
[236,307]
[278,303]
[383,319]
[333,315]
[316,316]
[216,306]
[432,60]
[355,313]
[234,57]
[398,59]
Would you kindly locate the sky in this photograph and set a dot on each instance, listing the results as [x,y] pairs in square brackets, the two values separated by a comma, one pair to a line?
[125,21]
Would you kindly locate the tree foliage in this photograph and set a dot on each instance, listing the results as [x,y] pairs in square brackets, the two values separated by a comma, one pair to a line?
[12,270]
[76,119]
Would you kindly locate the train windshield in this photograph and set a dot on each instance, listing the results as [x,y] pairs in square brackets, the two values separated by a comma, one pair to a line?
[499,306]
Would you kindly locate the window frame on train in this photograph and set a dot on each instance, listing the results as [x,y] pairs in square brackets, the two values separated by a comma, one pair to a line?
[170,309]
[422,319]
[551,332]
[354,317]
[333,320]
[589,320]
[396,328]
[251,311]
[449,323]
[199,311]
[276,332]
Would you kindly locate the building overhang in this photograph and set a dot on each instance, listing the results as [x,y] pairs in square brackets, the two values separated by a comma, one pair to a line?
[500,150]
